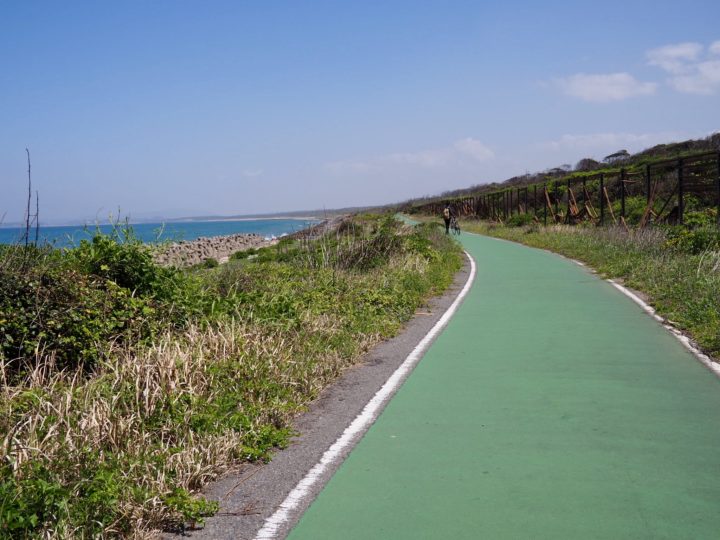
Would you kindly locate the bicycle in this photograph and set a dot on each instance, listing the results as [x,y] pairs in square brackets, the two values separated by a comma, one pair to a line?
[454,225]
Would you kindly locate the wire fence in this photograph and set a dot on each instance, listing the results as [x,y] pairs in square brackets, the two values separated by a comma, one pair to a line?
[659,192]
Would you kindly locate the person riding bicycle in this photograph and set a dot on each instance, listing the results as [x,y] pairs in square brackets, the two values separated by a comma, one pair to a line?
[448,214]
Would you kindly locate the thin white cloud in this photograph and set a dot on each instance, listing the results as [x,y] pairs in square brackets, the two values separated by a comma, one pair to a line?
[252,173]
[693,69]
[462,152]
[475,149]
[704,79]
[674,58]
[604,87]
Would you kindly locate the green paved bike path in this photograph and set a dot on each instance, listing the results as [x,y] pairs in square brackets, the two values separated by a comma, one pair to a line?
[550,407]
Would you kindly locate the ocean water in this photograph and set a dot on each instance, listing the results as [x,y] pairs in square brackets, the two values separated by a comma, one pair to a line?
[67,236]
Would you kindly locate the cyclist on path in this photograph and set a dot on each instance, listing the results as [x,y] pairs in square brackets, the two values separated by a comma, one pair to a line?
[447,215]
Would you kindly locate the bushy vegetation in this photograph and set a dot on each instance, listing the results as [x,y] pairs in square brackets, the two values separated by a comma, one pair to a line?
[678,268]
[68,305]
[127,386]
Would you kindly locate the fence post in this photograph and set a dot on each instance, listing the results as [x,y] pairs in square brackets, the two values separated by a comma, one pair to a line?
[681,193]
[622,193]
[718,189]
[557,200]
[602,199]
[647,181]
[535,200]
[520,192]
[567,194]
[546,200]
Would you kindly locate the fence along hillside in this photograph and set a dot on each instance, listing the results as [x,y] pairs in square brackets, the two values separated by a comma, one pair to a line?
[659,192]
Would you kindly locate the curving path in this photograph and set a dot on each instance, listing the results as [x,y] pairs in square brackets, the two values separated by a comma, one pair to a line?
[551,407]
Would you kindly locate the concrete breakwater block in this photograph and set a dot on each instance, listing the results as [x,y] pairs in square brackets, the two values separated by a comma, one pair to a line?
[190,252]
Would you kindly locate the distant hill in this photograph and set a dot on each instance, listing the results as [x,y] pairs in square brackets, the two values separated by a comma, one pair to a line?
[317,213]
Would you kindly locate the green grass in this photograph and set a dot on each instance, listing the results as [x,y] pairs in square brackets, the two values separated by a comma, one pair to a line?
[187,373]
[678,269]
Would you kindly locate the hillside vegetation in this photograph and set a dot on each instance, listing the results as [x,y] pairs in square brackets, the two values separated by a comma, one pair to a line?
[584,167]
[126,386]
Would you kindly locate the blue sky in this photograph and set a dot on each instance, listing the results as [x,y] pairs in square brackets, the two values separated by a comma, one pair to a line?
[188,108]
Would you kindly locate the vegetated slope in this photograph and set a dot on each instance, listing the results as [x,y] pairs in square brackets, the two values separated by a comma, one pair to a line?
[587,165]
[125,386]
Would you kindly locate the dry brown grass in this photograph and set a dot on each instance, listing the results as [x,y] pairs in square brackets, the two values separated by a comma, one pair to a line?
[118,451]
[54,416]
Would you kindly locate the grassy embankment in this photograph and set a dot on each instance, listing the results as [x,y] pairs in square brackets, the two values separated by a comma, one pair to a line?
[125,387]
[677,268]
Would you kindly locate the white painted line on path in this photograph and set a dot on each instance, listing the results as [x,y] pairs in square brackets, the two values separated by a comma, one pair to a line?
[361,422]
[682,338]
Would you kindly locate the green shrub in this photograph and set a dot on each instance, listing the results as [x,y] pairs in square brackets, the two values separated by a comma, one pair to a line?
[123,259]
[700,218]
[71,304]
[634,209]
[519,220]
[693,241]
[50,308]
[244,254]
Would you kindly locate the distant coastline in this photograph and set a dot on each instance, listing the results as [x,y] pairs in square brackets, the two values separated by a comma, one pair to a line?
[164,231]
[297,218]
[300,215]
[161,221]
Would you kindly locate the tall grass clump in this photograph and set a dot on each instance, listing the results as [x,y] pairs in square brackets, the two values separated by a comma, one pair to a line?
[174,376]
[678,268]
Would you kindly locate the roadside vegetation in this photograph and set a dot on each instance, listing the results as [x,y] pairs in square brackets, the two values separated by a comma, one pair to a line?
[676,267]
[125,386]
